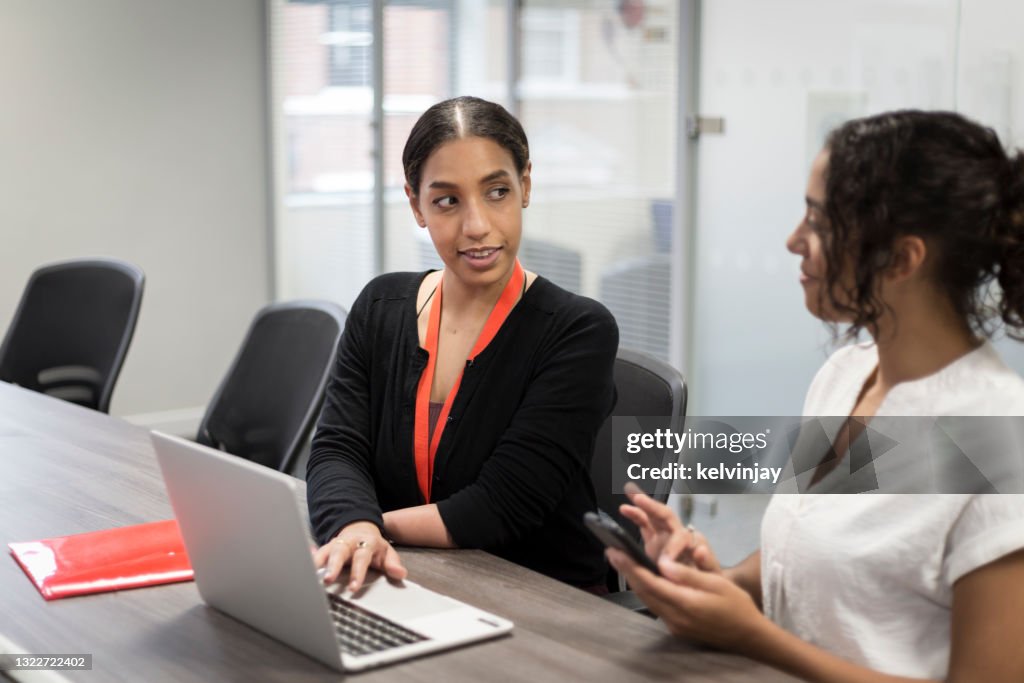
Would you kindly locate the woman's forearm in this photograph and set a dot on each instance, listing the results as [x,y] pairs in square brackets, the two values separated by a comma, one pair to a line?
[771,644]
[421,525]
[747,575]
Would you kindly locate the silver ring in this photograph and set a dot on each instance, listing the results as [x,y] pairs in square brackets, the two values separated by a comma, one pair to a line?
[361,544]
[692,529]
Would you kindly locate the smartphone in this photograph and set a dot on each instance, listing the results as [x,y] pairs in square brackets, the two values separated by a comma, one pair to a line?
[614,536]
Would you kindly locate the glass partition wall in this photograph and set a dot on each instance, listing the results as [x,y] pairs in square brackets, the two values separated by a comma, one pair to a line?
[593,83]
[596,84]
[783,74]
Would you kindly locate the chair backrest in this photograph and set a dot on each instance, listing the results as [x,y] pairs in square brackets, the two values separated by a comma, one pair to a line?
[267,402]
[72,328]
[645,386]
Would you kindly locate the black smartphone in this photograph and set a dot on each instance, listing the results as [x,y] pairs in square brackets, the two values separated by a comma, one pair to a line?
[614,536]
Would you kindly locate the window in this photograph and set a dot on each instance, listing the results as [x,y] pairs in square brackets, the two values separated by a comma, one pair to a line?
[553,38]
[597,98]
[351,42]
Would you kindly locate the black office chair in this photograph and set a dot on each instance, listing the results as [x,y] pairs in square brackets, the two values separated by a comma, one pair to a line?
[266,405]
[72,328]
[645,386]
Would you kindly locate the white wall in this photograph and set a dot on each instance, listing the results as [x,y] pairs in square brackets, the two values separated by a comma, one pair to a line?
[137,129]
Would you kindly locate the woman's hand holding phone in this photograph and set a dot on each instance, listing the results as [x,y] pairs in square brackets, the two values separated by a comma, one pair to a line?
[664,534]
[614,536]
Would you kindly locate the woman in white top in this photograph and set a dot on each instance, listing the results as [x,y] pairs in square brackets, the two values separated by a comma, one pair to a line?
[910,217]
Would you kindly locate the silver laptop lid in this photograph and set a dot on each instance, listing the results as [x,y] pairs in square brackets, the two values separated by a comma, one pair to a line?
[230,528]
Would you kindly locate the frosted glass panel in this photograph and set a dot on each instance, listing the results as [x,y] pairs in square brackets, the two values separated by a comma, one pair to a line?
[990,87]
[782,74]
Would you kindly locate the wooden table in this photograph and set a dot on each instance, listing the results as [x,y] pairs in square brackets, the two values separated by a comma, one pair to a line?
[65,469]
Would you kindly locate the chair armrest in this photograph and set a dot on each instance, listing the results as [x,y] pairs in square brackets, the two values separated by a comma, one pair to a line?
[629,600]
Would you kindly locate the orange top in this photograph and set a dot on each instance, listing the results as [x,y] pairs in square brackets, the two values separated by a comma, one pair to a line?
[424,447]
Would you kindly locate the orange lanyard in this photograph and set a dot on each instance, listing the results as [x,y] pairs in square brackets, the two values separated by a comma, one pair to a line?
[426,452]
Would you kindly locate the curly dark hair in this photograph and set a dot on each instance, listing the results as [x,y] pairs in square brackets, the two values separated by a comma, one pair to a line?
[457,118]
[943,178]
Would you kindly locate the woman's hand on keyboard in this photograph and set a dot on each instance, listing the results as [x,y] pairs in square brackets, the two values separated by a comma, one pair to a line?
[360,546]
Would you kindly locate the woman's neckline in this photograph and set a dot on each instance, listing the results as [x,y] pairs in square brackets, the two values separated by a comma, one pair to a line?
[526,297]
[911,385]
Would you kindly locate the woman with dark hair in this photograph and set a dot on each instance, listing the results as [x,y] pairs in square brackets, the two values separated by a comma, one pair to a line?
[911,218]
[464,403]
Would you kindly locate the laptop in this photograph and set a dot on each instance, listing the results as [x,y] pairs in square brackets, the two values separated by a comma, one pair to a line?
[250,550]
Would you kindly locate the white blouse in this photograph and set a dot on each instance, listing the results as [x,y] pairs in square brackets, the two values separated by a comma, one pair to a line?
[870,577]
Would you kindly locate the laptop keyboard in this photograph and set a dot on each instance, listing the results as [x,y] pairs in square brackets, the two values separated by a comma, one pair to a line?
[361,632]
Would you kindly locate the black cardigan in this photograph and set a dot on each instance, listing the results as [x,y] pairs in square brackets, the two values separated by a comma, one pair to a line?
[511,471]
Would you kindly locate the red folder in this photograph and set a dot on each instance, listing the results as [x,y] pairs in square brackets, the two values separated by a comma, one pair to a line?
[108,560]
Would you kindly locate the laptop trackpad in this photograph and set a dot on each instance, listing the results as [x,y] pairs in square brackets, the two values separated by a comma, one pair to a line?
[399,601]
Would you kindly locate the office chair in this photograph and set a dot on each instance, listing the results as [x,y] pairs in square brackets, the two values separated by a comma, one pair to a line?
[265,407]
[72,329]
[645,386]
